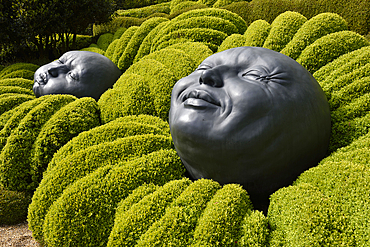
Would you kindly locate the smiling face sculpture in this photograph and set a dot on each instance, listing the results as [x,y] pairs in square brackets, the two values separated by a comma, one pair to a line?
[79,73]
[251,116]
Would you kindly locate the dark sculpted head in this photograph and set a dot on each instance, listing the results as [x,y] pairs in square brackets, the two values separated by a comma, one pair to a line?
[251,116]
[79,73]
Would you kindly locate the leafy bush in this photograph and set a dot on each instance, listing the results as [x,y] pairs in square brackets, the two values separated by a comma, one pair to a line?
[18,66]
[13,206]
[222,3]
[111,48]
[145,11]
[232,41]
[187,9]
[196,50]
[21,73]
[122,43]
[104,41]
[144,213]
[15,89]
[115,24]
[10,100]
[255,230]
[315,28]
[94,197]
[357,108]
[94,49]
[15,156]
[18,82]
[257,33]
[329,47]
[186,5]
[79,164]
[268,10]
[176,227]
[133,45]
[242,9]
[119,32]
[283,28]
[220,223]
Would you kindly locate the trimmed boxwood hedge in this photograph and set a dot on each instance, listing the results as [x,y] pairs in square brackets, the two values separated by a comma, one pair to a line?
[18,66]
[111,48]
[18,82]
[196,50]
[329,47]
[315,28]
[283,29]
[232,41]
[93,198]
[10,100]
[255,230]
[123,41]
[13,206]
[79,164]
[15,157]
[15,89]
[146,11]
[220,223]
[185,6]
[257,33]
[147,211]
[176,227]
[94,49]
[104,41]
[119,32]
[21,73]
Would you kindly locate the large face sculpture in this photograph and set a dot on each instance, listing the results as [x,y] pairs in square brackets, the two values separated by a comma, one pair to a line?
[251,116]
[79,73]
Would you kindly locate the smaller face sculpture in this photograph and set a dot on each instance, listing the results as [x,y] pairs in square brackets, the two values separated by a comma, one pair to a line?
[79,73]
[251,116]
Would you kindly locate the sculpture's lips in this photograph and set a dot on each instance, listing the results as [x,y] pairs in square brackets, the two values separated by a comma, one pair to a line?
[200,98]
[41,78]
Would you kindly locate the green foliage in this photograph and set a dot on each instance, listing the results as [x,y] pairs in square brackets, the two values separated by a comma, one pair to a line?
[10,100]
[18,66]
[72,119]
[269,10]
[133,45]
[176,227]
[186,5]
[144,213]
[283,28]
[209,3]
[119,32]
[19,82]
[13,206]
[104,41]
[115,24]
[222,3]
[131,4]
[111,48]
[257,33]
[197,51]
[21,73]
[187,9]
[94,49]
[329,47]
[145,11]
[242,9]
[315,28]
[15,156]
[94,198]
[81,163]
[123,41]
[232,41]
[255,230]
[15,89]
[220,223]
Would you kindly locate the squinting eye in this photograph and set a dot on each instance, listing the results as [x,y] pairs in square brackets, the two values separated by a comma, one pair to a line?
[73,75]
[253,73]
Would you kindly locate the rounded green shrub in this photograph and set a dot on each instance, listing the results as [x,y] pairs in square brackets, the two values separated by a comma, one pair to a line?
[196,50]
[13,206]
[10,100]
[21,73]
[255,230]
[94,198]
[220,223]
[222,3]
[268,10]
[72,119]
[176,227]
[15,89]
[329,47]
[94,49]
[94,45]
[315,28]
[18,66]
[243,9]
[185,5]
[187,9]
[209,3]
[359,107]
[145,11]
[220,13]
[123,41]
[15,157]
[257,33]
[232,41]
[133,45]
[79,164]
[111,48]
[129,96]
[18,82]
[115,24]
[144,213]
[104,41]
[283,28]
[119,32]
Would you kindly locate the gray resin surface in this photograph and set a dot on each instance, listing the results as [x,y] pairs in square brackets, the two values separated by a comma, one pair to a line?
[252,116]
[79,73]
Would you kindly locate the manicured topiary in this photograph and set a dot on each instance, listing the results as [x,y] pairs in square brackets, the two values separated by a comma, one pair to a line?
[176,227]
[21,73]
[232,41]
[10,100]
[315,28]
[133,45]
[244,9]
[94,45]
[18,82]
[115,24]
[123,41]
[257,33]
[145,11]
[144,213]
[329,47]
[255,230]
[18,66]
[187,9]
[111,48]
[13,206]
[283,28]
[185,5]
[196,50]
[220,223]
[220,13]
[130,96]
[209,3]
[146,45]
[268,10]
[81,163]
[119,32]
[357,108]
[15,156]
[94,49]
[104,41]
[72,119]
[94,198]
[15,89]
[221,3]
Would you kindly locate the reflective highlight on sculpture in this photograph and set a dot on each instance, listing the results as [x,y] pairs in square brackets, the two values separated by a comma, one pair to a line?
[251,116]
[79,73]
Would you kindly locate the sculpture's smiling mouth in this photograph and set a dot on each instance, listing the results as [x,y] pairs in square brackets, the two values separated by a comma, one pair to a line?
[199,99]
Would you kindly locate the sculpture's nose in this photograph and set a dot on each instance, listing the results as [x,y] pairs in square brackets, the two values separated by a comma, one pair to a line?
[54,71]
[211,77]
